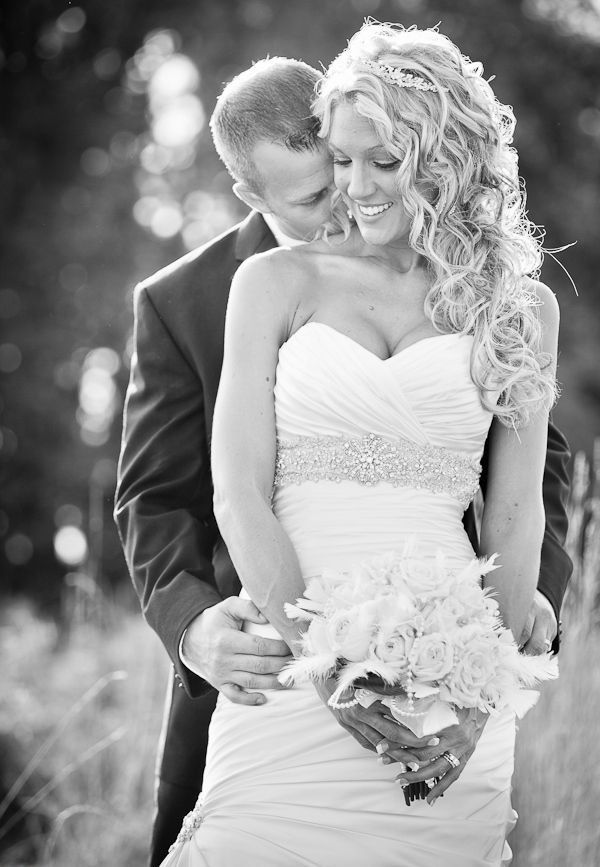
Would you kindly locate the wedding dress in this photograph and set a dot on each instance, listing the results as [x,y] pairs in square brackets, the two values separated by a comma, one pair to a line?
[373,453]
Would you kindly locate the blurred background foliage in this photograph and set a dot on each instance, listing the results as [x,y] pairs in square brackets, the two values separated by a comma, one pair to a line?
[108,173]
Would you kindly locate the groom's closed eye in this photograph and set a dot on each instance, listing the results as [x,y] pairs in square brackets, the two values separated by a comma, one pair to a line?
[318,197]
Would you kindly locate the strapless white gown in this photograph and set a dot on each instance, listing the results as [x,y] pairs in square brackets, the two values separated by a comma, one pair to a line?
[285,785]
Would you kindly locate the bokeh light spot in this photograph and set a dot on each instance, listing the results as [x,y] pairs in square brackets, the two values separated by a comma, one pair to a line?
[104,357]
[144,209]
[256,14]
[179,122]
[70,545]
[49,44]
[167,220]
[589,121]
[66,375]
[155,159]
[68,514]
[18,549]
[174,77]
[206,216]
[123,146]
[106,64]
[162,42]
[104,473]
[72,20]
[10,358]
[97,391]
[95,162]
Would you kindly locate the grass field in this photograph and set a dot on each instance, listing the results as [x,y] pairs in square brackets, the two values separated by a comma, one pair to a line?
[81,710]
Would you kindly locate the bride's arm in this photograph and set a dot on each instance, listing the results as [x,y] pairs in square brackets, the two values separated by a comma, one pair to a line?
[513,518]
[258,321]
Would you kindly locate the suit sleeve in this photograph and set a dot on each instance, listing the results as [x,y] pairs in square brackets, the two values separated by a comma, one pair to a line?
[556,566]
[163,505]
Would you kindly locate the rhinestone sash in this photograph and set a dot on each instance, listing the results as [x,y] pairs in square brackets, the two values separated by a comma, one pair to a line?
[371,459]
[190,825]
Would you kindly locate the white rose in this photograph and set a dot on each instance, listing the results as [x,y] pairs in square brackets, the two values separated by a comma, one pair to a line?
[475,668]
[433,657]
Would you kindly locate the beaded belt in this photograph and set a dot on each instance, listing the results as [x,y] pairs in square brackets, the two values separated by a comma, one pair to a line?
[372,459]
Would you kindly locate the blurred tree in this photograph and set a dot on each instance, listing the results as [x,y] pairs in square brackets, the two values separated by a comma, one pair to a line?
[108,173]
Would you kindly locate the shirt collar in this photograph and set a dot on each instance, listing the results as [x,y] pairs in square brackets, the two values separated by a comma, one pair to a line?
[282,239]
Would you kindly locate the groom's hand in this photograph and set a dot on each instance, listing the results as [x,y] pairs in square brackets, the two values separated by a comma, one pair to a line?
[540,627]
[215,648]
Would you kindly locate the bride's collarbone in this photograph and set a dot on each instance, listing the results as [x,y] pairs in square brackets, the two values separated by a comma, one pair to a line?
[383,313]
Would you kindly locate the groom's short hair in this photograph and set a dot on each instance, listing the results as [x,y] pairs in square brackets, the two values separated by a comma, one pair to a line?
[271,101]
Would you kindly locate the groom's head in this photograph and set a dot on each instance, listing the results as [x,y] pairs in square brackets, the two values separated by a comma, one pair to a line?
[266,135]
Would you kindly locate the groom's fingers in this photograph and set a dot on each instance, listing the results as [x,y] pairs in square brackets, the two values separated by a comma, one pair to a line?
[238,695]
[245,680]
[255,645]
[261,664]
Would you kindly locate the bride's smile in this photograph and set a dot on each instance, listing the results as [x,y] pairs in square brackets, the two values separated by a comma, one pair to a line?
[366,175]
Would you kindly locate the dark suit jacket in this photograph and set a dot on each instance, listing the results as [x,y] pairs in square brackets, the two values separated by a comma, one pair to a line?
[177,561]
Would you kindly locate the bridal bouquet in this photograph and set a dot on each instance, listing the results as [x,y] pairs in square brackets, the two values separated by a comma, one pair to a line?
[417,625]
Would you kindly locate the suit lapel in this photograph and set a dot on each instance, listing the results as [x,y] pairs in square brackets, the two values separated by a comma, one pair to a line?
[254,236]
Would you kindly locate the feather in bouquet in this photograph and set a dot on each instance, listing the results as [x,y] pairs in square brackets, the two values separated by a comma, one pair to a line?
[420,626]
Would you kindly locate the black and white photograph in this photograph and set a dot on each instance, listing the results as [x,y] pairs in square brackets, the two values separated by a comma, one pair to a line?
[299,433]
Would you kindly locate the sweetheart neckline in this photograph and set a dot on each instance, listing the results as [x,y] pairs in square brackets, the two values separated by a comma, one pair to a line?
[368,351]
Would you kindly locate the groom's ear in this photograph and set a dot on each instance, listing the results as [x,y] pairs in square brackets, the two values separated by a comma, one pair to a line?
[250,197]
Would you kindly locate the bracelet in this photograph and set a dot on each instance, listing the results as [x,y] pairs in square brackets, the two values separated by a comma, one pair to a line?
[340,705]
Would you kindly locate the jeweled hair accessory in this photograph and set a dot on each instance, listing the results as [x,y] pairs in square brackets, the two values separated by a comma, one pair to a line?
[397,76]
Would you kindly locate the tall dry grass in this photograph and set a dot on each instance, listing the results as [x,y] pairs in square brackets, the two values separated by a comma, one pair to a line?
[81,710]
[557,778]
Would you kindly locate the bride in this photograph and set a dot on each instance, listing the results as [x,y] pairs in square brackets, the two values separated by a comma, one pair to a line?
[414,321]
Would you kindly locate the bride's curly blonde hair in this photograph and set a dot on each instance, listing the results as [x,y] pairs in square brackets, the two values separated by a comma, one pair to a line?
[458,178]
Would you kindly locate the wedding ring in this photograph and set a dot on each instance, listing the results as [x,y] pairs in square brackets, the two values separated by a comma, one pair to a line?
[451,759]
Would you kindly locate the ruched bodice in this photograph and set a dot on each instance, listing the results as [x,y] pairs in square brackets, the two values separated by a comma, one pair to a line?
[329,386]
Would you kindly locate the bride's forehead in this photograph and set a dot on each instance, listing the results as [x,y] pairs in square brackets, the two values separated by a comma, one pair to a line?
[348,126]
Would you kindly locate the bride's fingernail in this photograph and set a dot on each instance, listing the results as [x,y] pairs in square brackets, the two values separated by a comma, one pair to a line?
[433,742]
[382,747]
[384,760]
[413,766]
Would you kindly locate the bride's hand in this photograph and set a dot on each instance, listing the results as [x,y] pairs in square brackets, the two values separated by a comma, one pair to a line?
[457,742]
[371,727]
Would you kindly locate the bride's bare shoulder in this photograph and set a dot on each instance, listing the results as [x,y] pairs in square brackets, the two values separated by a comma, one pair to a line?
[289,269]
[546,301]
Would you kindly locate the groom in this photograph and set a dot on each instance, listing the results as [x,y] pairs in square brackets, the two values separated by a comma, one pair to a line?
[266,136]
